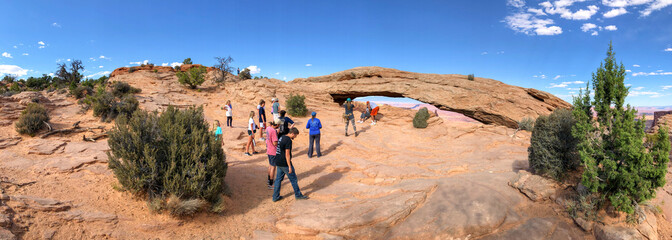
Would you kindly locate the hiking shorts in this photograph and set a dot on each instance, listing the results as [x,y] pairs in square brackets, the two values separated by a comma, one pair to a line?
[271,160]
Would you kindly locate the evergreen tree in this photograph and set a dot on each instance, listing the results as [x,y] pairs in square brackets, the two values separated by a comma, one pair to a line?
[616,163]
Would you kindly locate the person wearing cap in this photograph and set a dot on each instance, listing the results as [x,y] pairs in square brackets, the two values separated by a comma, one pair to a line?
[314,125]
[275,110]
[349,116]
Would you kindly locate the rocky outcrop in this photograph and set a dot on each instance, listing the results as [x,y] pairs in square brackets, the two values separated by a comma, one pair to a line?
[483,99]
[12,106]
[535,187]
[158,69]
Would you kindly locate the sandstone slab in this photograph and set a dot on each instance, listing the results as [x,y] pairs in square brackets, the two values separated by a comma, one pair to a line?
[45,146]
[8,142]
[616,233]
[41,204]
[535,187]
[82,216]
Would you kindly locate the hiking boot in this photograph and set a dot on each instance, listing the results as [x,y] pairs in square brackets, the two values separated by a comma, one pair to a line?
[279,198]
[356,134]
[248,154]
[302,197]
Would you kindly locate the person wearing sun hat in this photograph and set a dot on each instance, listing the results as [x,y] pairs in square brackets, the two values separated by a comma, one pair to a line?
[314,125]
[349,116]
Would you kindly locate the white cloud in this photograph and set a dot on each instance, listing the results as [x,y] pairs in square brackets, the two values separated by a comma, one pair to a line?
[308,65]
[51,74]
[556,77]
[98,74]
[175,64]
[538,12]
[516,3]
[15,46]
[624,3]
[277,73]
[25,54]
[560,7]
[139,63]
[561,85]
[638,88]
[667,87]
[164,64]
[611,28]
[530,25]
[484,53]
[651,74]
[254,69]
[628,70]
[639,93]
[92,59]
[668,50]
[13,70]
[542,76]
[100,66]
[56,25]
[41,43]
[7,55]
[69,60]
[284,78]
[587,27]
[615,12]
[654,6]
[594,33]
[635,65]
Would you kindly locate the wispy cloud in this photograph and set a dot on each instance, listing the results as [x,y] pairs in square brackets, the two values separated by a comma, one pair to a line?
[542,76]
[25,54]
[611,28]
[100,66]
[666,87]
[531,25]
[615,12]
[636,65]
[516,3]
[13,70]
[56,25]
[651,74]
[7,55]
[98,74]
[42,44]
[655,6]
[139,63]
[308,65]
[277,73]
[565,84]
[484,53]
[668,50]
[587,27]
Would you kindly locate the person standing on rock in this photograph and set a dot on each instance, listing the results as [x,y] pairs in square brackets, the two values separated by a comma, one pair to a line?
[271,149]
[283,161]
[251,130]
[229,114]
[262,119]
[275,110]
[314,125]
[349,116]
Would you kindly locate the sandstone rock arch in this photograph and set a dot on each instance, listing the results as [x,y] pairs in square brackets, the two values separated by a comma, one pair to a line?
[485,100]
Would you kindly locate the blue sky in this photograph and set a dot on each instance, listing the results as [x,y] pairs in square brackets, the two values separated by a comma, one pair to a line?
[548,45]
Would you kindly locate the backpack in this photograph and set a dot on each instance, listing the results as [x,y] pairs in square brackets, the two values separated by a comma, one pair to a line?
[282,130]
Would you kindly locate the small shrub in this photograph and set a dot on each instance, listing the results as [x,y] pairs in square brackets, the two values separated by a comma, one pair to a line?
[177,68]
[171,155]
[296,105]
[156,70]
[526,124]
[119,89]
[552,150]
[32,119]
[421,117]
[193,78]
[39,83]
[187,61]
[470,77]
[108,107]
[131,69]
[15,88]
[81,91]
[353,75]
[245,74]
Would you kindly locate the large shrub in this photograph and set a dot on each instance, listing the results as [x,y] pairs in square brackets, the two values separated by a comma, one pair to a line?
[296,105]
[526,124]
[32,119]
[119,89]
[245,74]
[421,117]
[81,91]
[552,150]
[193,77]
[617,165]
[39,83]
[168,155]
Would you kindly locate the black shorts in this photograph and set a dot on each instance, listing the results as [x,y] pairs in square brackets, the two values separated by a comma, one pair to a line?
[271,160]
[250,133]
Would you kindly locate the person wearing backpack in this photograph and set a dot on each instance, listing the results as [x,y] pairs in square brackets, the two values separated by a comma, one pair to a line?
[314,125]
[285,122]
[349,116]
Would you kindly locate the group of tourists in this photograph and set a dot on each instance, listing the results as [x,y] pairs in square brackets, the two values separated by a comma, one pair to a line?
[279,136]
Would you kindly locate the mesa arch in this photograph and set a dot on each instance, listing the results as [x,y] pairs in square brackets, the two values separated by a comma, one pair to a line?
[485,100]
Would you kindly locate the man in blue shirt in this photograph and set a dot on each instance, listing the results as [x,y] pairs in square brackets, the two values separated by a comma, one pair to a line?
[314,125]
